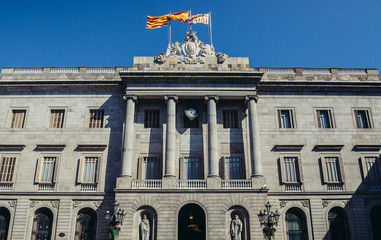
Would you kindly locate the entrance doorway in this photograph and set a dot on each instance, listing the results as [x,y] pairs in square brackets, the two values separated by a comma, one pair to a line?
[191,223]
[375,218]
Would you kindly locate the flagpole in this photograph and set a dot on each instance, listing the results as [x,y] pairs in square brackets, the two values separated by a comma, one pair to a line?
[210,27]
[190,23]
[170,29]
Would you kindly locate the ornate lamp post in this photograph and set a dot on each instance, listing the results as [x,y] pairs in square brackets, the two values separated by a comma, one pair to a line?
[114,218]
[268,219]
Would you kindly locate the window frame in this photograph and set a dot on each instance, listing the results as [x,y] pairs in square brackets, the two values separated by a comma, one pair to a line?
[299,170]
[363,167]
[89,117]
[160,125]
[15,170]
[40,161]
[182,168]
[141,167]
[225,164]
[330,119]
[339,165]
[12,114]
[368,115]
[81,166]
[292,117]
[50,115]
[236,118]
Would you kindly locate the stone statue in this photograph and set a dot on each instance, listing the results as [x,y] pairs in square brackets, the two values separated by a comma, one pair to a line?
[221,57]
[173,49]
[160,58]
[236,228]
[144,228]
[207,50]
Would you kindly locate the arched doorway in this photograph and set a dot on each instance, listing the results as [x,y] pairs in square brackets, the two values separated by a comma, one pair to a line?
[42,224]
[4,223]
[191,223]
[296,224]
[375,219]
[86,225]
[338,224]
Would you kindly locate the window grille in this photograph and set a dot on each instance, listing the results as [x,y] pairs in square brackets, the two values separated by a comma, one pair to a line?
[7,171]
[332,169]
[56,118]
[18,118]
[230,119]
[291,169]
[286,118]
[152,119]
[324,118]
[96,118]
[371,169]
[363,119]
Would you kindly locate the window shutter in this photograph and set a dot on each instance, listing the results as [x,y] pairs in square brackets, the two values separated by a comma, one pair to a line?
[330,119]
[200,168]
[98,171]
[159,169]
[140,167]
[292,123]
[13,168]
[324,170]
[181,168]
[281,164]
[80,170]
[341,166]
[318,118]
[300,170]
[364,169]
[279,120]
[56,166]
[38,170]
[222,168]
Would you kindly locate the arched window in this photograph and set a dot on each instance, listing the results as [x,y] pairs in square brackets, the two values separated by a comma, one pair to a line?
[42,224]
[4,223]
[296,224]
[86,225]
[338,224]
[375,218]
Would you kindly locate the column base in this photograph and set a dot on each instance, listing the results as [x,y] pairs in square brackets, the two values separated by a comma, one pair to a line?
[169,182]
[124,182]
[258,182]
[213,182]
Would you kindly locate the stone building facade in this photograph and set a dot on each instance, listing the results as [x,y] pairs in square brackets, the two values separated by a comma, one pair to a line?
[190,146]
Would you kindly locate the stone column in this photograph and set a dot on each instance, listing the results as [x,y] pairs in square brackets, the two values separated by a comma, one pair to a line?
[170,155]
[128,146]
[255,148]
[212,136]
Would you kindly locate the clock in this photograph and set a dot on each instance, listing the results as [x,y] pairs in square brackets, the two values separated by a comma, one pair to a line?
[191,113]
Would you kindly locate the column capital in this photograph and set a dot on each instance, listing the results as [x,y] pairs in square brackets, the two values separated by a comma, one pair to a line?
[251,97]
[215,98]
[174,97]
[133,97]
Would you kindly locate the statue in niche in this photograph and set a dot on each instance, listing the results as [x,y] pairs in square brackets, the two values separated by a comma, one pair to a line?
[144,228]
[236,228]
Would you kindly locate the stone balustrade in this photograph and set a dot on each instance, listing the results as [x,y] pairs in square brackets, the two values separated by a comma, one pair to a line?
[236,184]
[147,184]
[191,184]
[6,186]
[91,187]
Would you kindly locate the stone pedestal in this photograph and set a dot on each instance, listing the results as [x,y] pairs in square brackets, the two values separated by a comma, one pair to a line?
[169,183]
[213,182]
[124,183]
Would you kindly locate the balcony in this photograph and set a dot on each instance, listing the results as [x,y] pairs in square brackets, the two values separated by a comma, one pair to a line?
[146,184]
[236,184]
[191,184]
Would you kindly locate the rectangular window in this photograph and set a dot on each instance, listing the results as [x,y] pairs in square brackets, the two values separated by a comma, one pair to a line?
[324,118]
[152,119]
[233,168]
[230,118]
[18,118]
[149,168]
[96,118]
[291,169]
[90,170]
[363,119]
[332,167]
[7,169]
[371,169]
[192,168]
[47,170]
[56,118]
[286,118]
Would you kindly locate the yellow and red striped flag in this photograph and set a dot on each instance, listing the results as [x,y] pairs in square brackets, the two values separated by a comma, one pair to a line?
[180,16]
[199,18]
[157,22]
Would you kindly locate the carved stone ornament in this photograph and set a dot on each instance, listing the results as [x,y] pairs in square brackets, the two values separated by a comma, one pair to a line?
[173,49]
[76,204]
[191,113]
[32,204]
[160,58]
[221,57]
[282,204]
[191,45]
[97,204]
[55,204]
[12,204]
[325,203]
[305,203]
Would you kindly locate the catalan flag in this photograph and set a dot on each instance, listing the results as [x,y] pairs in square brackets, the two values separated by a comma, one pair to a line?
[157,22]
[199,18]
[180,16]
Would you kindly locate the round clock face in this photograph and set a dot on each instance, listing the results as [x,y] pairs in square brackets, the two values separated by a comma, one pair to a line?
[191,113]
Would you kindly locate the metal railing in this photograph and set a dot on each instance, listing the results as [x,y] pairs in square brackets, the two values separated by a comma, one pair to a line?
[236,184]
[147,184]
[89,187]
[191,184]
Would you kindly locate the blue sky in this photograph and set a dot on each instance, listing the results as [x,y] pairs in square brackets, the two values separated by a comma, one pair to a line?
[272,33]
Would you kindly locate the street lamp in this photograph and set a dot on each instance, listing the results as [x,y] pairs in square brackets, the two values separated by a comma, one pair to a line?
[268,219]
[114,218]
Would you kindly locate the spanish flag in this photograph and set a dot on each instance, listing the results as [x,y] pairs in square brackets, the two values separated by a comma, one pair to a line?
[157,22]
[180,16]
